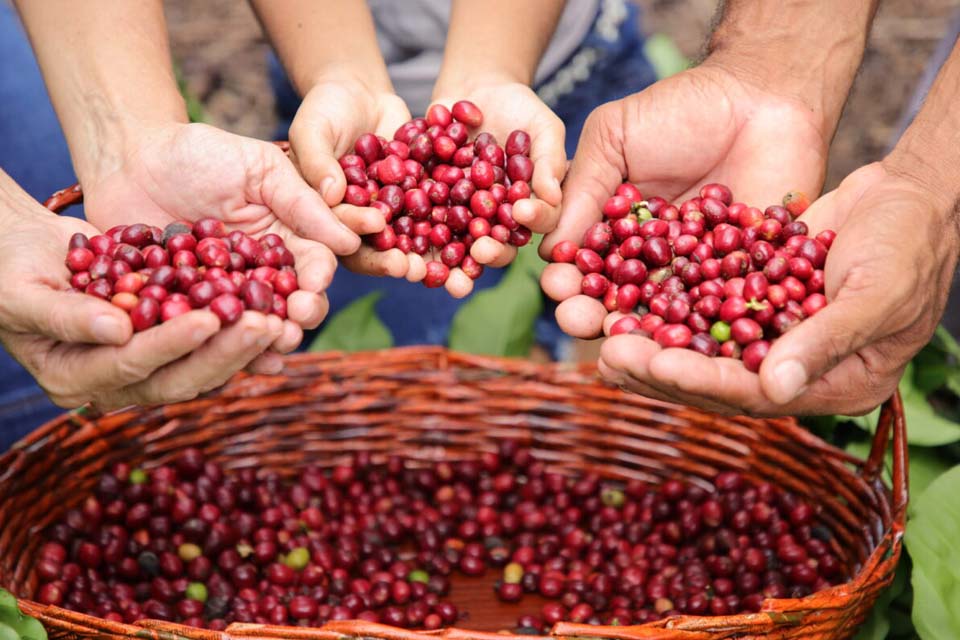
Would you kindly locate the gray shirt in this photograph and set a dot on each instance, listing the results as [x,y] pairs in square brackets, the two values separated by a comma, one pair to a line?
[412,33]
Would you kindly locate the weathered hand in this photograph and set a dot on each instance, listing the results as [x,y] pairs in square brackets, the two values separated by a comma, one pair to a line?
[887,287]
[704,125]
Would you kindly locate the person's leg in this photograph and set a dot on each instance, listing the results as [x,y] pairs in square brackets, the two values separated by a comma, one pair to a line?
[35,154]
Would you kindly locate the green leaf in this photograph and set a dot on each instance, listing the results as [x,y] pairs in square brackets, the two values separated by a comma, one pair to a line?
[664,56]
[500,321]
[925,426]
[934,546]
[16,626]
[355,328]
[944,341]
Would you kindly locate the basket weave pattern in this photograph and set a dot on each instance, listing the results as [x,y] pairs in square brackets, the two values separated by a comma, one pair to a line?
[429,404]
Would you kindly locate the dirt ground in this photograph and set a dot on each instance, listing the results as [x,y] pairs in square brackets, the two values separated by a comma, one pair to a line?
[222,53]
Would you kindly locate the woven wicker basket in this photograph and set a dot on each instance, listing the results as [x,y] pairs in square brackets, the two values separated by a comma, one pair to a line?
[428,403]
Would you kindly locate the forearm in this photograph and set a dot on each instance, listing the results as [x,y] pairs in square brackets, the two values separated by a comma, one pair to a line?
[322,40]
[929,150]
[809,50]
[108,70]
[501,39]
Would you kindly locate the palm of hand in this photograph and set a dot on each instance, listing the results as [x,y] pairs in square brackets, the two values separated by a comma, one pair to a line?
[188,173]
[705,126]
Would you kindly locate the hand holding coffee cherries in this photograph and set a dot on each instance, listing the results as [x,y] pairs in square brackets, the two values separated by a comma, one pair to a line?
[180,172]
[716,276]
[887,290]
[82,349]
[448,200]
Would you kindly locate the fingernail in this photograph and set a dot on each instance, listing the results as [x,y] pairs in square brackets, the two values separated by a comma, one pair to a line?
[790,377]
[264,342]
[107,329]
[250,338]
[199,335]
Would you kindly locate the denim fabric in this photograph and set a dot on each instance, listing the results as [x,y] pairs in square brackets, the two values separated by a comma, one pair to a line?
[416,315]
[34,153]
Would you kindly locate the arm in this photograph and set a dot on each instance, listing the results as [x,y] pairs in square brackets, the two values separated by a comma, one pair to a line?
[311,39]
[497,39]
[102,94]
[808,50]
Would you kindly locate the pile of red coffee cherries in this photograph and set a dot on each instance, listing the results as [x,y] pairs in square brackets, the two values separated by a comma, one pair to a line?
[381,542]
[712,275]
[439,190]
[156,275]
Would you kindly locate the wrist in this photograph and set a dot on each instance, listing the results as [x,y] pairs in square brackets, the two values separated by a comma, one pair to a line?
[113,136]
[462,85]
[919,158]
[808,52]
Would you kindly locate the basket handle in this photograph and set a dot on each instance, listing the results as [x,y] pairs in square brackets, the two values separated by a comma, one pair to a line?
[891,417]
[74,195]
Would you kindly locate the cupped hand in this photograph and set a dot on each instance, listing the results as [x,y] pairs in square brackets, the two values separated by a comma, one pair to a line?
[708,124]
[193,171]
[888,275]
[333,115]
[82,349]
[508,106]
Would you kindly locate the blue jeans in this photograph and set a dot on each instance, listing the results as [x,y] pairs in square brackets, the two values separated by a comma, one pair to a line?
[35,154]
[417,315]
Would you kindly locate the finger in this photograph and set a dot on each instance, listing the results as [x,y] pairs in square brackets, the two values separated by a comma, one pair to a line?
[722,385]
[289,339]
[581,316]
[819,343]
[307,309]
[459,284]
[537,215]
[417,269]
[312,142]
[266,364]
[561,280]
[66,317]
[315,263]
[301,208]
[371,262]
[209,367]
[596,171]
[361,220]
[488,251]
[549,158]
[147,351]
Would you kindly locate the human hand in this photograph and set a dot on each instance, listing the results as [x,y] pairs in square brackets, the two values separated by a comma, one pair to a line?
[507,106]
[192,171]
[82,349]
[708,124]
[887,288]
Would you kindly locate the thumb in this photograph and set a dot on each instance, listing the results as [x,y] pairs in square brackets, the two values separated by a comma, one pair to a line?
[68,317]
[315,156]
[301,208]
[549,161]
[596,171]
[821,342]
